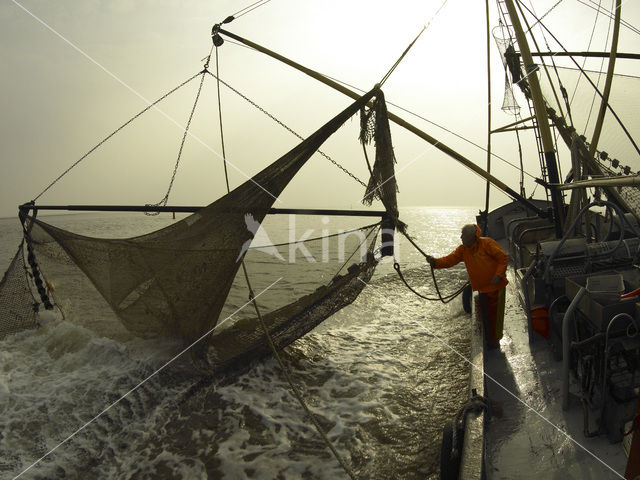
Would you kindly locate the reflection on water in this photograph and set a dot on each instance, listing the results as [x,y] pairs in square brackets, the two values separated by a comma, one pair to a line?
[381,375]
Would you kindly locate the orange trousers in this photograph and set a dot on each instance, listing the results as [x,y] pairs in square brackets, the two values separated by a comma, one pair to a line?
[492,315]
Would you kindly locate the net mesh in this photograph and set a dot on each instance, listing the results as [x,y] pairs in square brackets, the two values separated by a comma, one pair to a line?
[572,105]
[382,184]
[584,106]
[297,285]
[616,154]
[505,47]
[18,310]
[325,275]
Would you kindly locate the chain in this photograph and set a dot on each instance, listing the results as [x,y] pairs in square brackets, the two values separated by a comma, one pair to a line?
[164,200]
[279,122]
[151,105]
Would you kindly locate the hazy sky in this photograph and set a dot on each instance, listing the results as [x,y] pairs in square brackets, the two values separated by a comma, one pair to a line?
[73,71]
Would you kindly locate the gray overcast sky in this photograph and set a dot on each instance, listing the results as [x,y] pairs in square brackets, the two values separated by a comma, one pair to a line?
[73,71]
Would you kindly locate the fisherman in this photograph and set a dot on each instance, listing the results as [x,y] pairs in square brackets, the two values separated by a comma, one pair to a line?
[486,264]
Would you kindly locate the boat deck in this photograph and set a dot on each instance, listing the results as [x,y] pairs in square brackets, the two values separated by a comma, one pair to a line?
[528,434]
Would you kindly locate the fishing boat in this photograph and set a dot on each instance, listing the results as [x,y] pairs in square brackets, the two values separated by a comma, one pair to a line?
[573,261]
[574,286]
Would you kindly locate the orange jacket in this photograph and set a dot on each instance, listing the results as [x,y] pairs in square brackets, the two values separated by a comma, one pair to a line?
[484,259]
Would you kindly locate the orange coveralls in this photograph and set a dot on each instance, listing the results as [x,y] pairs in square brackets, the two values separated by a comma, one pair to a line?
[484,259]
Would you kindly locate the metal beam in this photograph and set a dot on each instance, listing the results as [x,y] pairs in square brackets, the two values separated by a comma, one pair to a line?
[631,56]
[541,115]
[394,118]
[191,209]
[503,128]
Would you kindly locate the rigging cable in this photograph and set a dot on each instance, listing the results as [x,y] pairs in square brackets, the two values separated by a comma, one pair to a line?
[147,108]
[584,60]
[553,62]
[610,14]
[276,354]
[563,90]
[164,200]
[546,70]
[248,9]
[224,154]
[615,115]
[513,64]
[457,135]
[488,169]
[353,87]
[286,127]
[446,298]
[545,14]
[593,99]
[393,67]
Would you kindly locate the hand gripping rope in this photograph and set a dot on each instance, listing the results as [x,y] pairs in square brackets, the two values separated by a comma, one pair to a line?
[446,298]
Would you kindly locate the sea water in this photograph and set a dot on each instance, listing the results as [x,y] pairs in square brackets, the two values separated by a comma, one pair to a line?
[82,398]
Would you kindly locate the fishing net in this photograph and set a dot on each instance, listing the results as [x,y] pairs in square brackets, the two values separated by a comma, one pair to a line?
[616,155]
[382,184]
[572,105]
[297,285]
[19,307]
[176,281]
[321,276]
[511,66]
[583,112]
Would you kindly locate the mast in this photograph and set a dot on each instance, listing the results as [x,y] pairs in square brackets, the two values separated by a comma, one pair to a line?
[394,118]
[607,86]
[486,204]
[541,115]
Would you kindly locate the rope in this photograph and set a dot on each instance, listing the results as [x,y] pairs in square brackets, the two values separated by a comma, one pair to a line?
[376,230]
[284,368]
[353,87]
[584,61]
[386,76]
[607,13]
[545,14]
[224,155]
[296,392]
[602,60]
[477,403]
[615,115]
[151,105]
[445,299]
[248,9]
